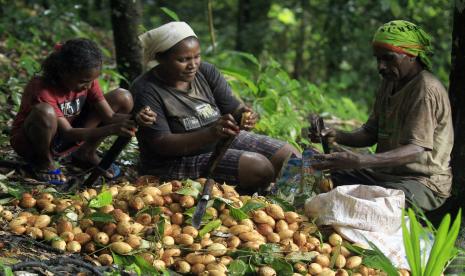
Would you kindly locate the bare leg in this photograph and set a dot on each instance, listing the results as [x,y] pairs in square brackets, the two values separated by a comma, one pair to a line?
[40,126]
[281,155]
[120,101]
[255,171]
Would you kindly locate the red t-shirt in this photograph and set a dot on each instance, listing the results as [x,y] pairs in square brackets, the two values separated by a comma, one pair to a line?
[66,103]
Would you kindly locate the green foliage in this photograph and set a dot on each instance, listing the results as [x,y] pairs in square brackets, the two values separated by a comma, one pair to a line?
[443,249]
[102,199]
[137,264]
[283,103]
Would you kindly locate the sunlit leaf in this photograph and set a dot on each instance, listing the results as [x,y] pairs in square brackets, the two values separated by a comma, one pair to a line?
[102,199]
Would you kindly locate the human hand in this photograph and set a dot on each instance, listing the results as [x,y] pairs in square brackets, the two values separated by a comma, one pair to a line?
[126,127]
[249,118]
[327,133]
[225,126]
[146,116]
[337,160]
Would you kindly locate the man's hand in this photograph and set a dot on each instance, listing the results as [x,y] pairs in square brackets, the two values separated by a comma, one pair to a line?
[337,160]
[146,116]
[225,126]
[251,120]
[327,133]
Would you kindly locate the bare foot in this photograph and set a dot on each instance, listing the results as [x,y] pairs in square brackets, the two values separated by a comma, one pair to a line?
[87,160]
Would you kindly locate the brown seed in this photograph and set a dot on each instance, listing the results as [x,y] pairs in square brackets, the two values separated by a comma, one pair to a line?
[59,244]
[82,238]
[101,238]
[187,201]
[73,247]
[109,228]
[177,218]
[105,259]
[27,202]
[144,219]
[133,240]
[64,225]
[90,247]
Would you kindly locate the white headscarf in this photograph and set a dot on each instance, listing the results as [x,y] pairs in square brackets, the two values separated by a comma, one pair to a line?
[161,39]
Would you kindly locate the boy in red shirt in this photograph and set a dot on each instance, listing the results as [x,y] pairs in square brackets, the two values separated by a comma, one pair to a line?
[64,110]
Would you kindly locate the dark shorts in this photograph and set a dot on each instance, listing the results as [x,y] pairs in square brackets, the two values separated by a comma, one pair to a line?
[58,148]
[227,170]
[415,192]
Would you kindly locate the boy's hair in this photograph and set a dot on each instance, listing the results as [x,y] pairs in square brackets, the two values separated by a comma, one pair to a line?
[75,55]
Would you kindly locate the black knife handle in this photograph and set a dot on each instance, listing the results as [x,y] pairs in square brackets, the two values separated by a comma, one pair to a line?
[207,189]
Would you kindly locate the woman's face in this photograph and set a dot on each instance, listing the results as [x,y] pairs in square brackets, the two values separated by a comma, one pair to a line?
[182,62]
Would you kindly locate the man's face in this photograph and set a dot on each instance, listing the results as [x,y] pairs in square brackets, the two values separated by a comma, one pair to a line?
[391,65]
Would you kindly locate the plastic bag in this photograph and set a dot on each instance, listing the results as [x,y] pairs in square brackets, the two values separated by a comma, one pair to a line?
[298,181]
[360,213]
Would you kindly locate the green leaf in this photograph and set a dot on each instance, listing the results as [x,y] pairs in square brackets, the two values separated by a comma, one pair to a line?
[212,225]
[170,13]
[146,268]
[102,199]
[161,227]
[301,256]
[408,246]
[439,241]
[282,267]
[16,191]
[134,267]
[237,268]
[100,217]
[447,249]
[117,259]
[284,204]
[252,205]
[269,248]
[415,229]
[380,261]
[191,191]
[152,211]
[236,213]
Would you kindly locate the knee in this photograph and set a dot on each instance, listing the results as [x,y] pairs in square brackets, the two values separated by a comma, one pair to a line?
[43,115]
[255,171]
[120,100]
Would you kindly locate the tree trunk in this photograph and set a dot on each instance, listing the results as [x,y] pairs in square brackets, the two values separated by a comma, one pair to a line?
[335,36]
[457,99]
[457,95]
[300,47]
[252,25]
[125,19]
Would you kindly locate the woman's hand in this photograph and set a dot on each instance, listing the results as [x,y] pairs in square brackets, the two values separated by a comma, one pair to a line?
[225,126]
[146,116]
[249,122]
[337,160]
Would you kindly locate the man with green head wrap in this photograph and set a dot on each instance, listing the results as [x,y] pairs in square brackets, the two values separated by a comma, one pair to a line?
[410,122]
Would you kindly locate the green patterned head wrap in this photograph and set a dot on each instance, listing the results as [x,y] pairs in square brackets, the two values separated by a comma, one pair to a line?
[407,38]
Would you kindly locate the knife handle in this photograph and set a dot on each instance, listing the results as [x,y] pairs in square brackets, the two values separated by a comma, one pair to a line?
[207,189]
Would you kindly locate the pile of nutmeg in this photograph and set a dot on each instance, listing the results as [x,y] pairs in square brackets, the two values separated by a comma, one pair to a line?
[153,221]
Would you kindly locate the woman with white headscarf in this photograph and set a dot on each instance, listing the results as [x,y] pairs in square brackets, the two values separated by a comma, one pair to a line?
[196,108]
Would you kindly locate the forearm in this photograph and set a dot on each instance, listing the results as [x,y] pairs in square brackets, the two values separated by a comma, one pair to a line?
[397,157]
[358,138]
[181,144]
[85,134]
[117,117]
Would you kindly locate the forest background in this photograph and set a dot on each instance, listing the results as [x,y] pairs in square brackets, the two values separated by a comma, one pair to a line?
[286,58]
